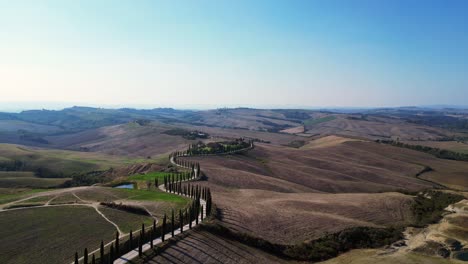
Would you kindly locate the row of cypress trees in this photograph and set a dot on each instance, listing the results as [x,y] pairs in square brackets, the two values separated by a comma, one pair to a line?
[173,184]
[194,212]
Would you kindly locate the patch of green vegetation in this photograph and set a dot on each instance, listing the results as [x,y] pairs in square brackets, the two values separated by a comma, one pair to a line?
[315,121]
[429,206]
[60,231]
[16,174]
[153,195]
[218,147]
[9,195]
[148,176]
[187,134]
[31,182]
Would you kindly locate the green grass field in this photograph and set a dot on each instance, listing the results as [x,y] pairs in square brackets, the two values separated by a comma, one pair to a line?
[50,234]
[156,196]
[315,121]
[9,195]
[149,176]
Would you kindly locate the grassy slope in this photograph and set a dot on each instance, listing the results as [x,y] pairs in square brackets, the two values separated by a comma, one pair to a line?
[9,195]
[50,235]
[61,161]
[148,176]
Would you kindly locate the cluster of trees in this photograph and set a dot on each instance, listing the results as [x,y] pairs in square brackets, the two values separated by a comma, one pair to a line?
[439,153]
[201,148]
[429,206]
[190,135]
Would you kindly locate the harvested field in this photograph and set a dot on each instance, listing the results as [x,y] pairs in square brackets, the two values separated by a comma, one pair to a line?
[374,128]
[289,218]
[50,234]
[328,141]
[348,167]
[204,247]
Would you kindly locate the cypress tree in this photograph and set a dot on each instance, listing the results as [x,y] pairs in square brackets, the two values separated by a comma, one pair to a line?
[101,252]
[181,221]
[151,237]
[196,216]
[172,223]
[143,230]
[117,242]
[201,213]
[190,217]
[111,254]
[163,228]
[154,226]
[140,245]
[85,256]
[93,259]
[76,258]
[131,239]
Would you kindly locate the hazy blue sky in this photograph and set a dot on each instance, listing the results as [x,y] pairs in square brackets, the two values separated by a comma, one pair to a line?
[227,53]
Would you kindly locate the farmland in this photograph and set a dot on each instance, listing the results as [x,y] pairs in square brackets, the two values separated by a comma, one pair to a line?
[50,235]
[294,186]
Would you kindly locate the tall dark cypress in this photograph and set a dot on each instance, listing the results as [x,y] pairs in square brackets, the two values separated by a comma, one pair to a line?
[163,231]
[131,240]
[190,217]
[154,227]
[181,220]
[76,258]
[117,242]
[201,213]
[111,254]
[151,237]
[101,252]
[93,259]
[140,245]
[172,223]
[85,256]
[143,230]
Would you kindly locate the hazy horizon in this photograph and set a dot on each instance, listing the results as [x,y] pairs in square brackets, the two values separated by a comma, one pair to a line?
[296,54]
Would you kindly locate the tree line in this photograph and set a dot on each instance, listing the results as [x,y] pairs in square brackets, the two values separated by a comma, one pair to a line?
[439,153]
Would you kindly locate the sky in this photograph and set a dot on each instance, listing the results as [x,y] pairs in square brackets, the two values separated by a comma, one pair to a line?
[220,53]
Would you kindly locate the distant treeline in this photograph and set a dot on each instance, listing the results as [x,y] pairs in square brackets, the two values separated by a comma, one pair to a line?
[444,121]
[187,134]
[439,153]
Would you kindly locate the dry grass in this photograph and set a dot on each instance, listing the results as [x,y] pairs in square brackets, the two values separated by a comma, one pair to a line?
[290,218]
[372,256]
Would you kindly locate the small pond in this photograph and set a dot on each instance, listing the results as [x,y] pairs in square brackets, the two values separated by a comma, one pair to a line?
[125,186]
